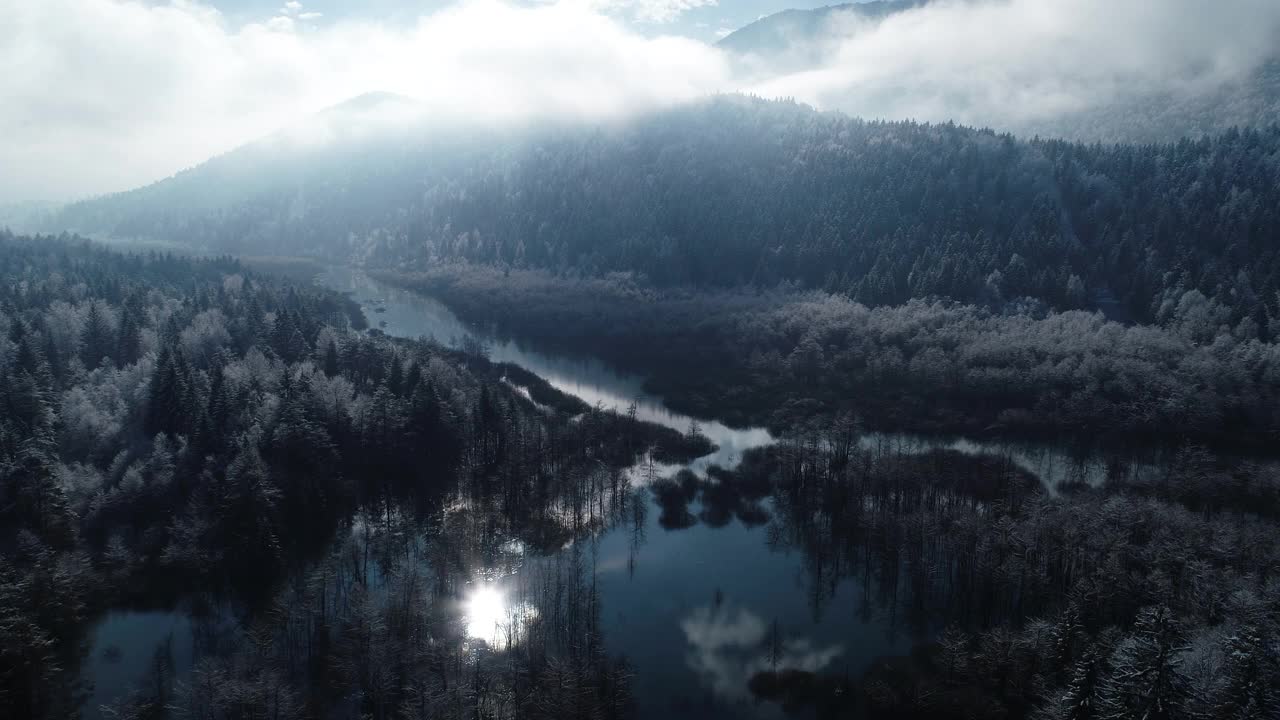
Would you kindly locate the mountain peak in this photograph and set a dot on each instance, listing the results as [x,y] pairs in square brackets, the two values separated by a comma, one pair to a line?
[789,30]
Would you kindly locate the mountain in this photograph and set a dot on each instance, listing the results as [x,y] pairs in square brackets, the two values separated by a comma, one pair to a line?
[325,151]
[735,191]
[781,30]
[794,39]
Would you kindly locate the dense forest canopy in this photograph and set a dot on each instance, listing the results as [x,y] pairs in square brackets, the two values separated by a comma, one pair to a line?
[734,191]
[192,428]
[174,426]
[778,358]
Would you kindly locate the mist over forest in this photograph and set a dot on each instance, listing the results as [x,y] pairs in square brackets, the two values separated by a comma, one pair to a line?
[640,359]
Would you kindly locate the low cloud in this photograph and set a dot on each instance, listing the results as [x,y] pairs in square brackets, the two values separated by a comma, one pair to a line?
[1011,63]
[104,95]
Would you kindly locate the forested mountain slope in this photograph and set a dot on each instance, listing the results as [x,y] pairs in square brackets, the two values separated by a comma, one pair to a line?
[735,191]
[1251,101]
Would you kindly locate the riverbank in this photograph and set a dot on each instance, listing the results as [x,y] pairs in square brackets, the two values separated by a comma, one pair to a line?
[812,571]
[784,359]
[915,533]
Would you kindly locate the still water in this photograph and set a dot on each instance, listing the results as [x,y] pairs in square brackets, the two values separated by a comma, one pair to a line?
[696,611]
[404,313]
[690,609]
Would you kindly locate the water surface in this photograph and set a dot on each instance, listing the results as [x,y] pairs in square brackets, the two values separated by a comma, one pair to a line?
[692,610]
[696,611]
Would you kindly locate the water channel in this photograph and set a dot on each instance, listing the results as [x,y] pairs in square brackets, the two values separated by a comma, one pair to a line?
[690,609]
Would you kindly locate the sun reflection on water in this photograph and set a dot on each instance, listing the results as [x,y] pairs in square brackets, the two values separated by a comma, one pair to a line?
[490,616]
[486,613]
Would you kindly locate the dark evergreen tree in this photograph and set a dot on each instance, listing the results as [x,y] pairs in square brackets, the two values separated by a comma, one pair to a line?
[1083,697]
[1146,681]
[1250,688]
[168,406]
[128,348]
[96,341]
[331,361]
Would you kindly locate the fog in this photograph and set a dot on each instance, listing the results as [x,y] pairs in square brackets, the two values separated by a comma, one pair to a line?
[1012,63]
[103,95]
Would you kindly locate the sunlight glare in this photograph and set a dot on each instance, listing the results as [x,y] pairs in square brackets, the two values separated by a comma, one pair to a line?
[486,611]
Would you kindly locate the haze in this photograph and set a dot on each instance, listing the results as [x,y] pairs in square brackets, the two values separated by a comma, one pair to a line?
[100,96]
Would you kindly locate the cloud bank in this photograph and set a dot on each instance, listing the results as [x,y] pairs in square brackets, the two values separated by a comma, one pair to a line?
[1011,63]
[104,95]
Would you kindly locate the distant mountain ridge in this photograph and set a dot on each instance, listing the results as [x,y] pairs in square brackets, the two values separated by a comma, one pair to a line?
[792,30]
[735,191]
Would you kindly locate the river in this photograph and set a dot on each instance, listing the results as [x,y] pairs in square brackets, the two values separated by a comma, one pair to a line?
[691,609]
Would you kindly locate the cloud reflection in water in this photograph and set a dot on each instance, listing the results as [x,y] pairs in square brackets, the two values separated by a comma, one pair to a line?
[728,645]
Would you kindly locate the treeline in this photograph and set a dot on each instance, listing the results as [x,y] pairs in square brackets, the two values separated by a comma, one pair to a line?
[734,191]
[779,358]
[173,426]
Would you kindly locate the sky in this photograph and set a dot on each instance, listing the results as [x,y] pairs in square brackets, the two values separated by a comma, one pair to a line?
[100,96]
[702,19]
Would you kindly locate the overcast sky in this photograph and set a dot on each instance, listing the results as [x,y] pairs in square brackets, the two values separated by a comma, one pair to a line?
[105,95]
[702,19]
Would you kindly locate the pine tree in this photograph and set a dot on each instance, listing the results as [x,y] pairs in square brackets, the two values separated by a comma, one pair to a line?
[286,337]
[129,338]
[303,459]
[169,399]
[412,379]
[28,358]
[433,435]
[25,403]
[1082,698]
[54,362]
[1147,682]
[30,495]
[1251,688]
[255,322]
[395,378]
[248,522]
[95,340]
[1064,635]
[331,364]
[219,407]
